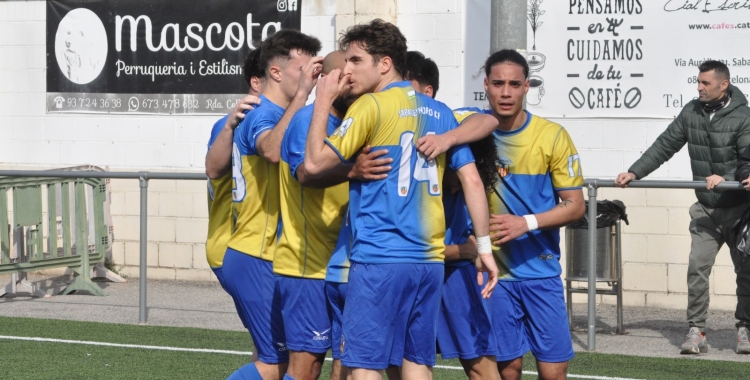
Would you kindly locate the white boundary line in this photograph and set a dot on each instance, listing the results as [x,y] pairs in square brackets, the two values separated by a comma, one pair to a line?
[229,352]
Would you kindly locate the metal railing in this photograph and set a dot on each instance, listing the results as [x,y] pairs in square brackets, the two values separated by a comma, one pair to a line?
[592,184]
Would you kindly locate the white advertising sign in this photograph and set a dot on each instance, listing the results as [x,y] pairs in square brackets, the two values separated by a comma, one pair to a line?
[630,58]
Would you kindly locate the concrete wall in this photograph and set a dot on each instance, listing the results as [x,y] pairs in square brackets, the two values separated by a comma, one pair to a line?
[656,244]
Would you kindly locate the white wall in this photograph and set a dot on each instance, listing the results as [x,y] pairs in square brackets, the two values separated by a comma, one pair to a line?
[655,245]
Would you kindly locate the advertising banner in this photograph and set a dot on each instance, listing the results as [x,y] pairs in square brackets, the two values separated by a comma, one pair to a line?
[165,57]
[630,58]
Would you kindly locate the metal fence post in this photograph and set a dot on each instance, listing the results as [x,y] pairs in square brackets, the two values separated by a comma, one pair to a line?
[142,311]
[592,268]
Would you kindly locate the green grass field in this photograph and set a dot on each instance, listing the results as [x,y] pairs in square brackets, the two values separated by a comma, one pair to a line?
[66,360]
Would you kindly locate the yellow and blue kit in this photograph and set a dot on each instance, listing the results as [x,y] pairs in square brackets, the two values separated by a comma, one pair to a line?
[534,163]
[312,217]
[255,190]
[219,209]
[398,211]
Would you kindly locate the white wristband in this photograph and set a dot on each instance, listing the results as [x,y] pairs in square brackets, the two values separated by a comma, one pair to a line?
[484,245]
[531,222]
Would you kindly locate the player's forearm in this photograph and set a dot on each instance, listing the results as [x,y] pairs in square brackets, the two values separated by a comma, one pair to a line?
[476,199]
[269,146]
[337,175]
[219,157]
[475,128]
[315,154]
[571,208]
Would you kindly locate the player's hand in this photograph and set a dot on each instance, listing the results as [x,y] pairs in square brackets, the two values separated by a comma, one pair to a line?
[369,167]
[746,183]
[330,86]
[240,109]
[713,180]
[506,227]
[486,264]
[309,77]
[623,179]
[433,145]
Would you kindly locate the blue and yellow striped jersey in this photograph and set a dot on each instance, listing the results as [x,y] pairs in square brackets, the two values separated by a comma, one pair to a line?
[534,162]
[312,217]
[394,220]
[255,187]
[219,209]
[338,265]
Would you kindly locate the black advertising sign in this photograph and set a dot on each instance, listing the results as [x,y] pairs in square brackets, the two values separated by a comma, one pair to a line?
[144,56]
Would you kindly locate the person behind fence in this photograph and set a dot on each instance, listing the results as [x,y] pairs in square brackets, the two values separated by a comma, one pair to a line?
[716,129]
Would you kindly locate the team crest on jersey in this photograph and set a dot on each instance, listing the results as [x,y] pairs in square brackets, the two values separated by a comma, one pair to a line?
[435,188]
[403,190]
[343,128]
[503,166]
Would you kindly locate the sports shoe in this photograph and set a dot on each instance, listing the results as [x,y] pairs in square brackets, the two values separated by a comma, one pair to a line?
[695,342]
[743,344]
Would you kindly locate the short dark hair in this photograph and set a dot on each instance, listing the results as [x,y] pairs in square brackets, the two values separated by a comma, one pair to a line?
[251,67]
[506,55]
[720,69]
[379,39]
[422,70]
[283,42]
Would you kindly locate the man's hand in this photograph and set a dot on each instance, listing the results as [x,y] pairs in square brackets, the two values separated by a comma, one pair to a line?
[506,227]
[369,167]
[330,86]
[468,250]
[309,77]
[238,113]
[746,183]
[434,145]
[623,179]
[713,180]
[486,264]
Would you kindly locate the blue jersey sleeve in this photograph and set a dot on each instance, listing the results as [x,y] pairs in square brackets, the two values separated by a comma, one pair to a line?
[218,125]
[295,139]
[251,127]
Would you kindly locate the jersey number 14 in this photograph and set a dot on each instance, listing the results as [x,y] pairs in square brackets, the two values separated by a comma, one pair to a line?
[424,171]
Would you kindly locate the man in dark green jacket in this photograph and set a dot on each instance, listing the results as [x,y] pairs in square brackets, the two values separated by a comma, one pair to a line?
[716,128]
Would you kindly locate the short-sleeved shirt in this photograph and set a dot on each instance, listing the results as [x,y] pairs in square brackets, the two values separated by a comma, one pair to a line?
[312,217]
[534,163]
[255,185]
[219,209]
[397,219]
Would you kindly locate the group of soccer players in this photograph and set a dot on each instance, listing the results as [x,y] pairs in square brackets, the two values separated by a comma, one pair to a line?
[361,223]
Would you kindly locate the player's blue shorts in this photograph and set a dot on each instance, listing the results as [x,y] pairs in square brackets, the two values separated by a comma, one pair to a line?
[531,315]
[250,282]
[464,329]
[391,314]
[307,323]
[336,294]
[219,272]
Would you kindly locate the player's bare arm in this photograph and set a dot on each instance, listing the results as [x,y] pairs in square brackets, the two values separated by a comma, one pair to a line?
[474,128]
[319,157]
[219,157]
[367,167]
[476,203]
[269,142]
[463,251]
[507,227]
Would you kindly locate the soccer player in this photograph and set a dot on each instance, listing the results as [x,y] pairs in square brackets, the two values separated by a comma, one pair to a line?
[539,192]
[312,216]
[291,72]
[397,246]
[220,182]
[463,331]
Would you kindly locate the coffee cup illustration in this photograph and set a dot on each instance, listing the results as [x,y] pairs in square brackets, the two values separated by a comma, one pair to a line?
[536,90]
[536,61]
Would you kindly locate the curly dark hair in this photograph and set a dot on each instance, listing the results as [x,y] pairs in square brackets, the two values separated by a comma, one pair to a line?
[251,67]
[283,42]
[422,70]
[485,155]
[379,39]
